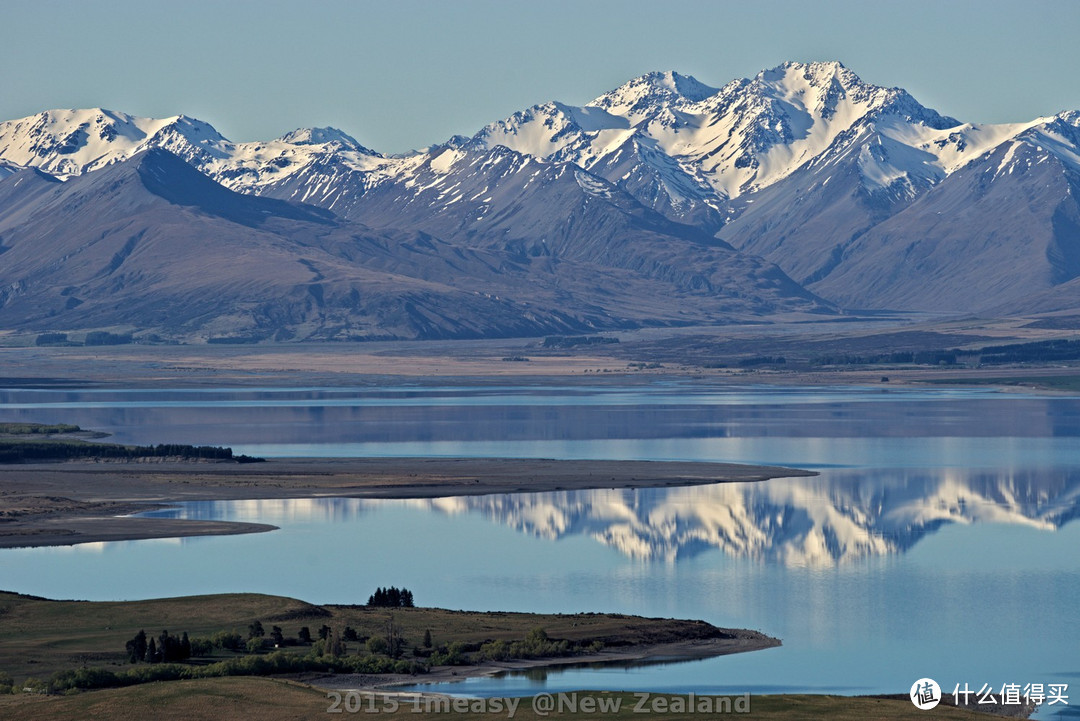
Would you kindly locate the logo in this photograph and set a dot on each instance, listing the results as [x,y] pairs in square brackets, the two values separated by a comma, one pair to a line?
[925,694]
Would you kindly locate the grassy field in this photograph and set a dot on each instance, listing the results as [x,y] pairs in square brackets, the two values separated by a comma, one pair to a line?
[40,637]
[265,699]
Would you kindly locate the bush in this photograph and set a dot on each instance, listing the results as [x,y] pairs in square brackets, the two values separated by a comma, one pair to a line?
[227,640]
[201,647]
[495,651]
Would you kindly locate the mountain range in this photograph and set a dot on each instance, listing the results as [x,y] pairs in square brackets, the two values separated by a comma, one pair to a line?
[802,191]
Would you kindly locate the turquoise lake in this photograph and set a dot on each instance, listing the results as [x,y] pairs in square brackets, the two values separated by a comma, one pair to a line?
[938,539]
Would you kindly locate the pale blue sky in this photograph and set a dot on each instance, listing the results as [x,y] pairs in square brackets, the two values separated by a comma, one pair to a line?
[407,73]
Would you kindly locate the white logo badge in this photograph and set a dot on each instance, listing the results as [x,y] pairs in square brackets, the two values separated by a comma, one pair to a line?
[925,694]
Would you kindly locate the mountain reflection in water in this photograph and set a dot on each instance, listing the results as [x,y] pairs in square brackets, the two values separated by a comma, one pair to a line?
[839,517]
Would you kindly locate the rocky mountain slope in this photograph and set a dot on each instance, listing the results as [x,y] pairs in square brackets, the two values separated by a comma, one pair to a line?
[151,244]
[664,201]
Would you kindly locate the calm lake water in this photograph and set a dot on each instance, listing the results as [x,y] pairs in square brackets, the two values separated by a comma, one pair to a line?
[937,540]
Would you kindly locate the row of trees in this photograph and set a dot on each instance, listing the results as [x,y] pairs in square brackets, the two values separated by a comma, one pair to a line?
[169,649]
[391,598]
[15,451]
[165,649]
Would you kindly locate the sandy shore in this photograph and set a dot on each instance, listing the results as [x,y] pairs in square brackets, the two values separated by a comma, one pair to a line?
[741,641]
[51,504]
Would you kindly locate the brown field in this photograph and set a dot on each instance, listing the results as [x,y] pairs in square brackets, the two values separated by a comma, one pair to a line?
[681,352]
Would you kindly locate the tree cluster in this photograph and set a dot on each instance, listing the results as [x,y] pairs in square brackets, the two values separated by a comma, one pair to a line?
[166,648]
[391,598]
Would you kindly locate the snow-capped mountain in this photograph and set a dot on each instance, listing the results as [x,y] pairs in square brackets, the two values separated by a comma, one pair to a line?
[951,232]
[151,244]
[739,139]
[66,143]
[857,192]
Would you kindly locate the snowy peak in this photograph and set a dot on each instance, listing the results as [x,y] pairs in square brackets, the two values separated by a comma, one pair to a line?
[1058,136]
[192,129]
[550,128]
[823,89]
[323,136]
[754,133]
[643,95]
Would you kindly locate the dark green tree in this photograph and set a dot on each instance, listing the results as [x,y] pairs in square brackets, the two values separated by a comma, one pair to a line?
[255,630]
[304,635]
[392,597]
[334,645]
[151,652]
[136,647]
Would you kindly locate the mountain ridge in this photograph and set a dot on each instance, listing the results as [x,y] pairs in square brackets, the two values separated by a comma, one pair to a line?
[855,192]
[151,243]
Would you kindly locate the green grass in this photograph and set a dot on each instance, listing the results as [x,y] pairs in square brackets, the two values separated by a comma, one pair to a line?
[41,637]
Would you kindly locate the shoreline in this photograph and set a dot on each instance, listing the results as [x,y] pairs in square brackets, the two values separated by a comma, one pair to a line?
[744,641]
[66,503]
